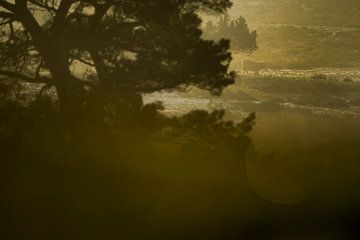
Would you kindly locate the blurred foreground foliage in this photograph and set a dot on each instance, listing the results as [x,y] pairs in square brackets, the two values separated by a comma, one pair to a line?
[113,180]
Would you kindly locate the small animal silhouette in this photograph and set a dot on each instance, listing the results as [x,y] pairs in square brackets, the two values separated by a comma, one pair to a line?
[252,66]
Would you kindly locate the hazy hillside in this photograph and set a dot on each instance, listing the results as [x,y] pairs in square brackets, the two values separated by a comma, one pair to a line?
[304,47]
[303,34]
[309,12]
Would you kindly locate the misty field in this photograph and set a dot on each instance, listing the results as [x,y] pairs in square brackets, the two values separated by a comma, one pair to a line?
[321,91]
[307,130]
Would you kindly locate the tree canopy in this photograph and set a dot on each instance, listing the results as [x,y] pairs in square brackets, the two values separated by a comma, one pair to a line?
[242,39]
[124,46]
[88,157]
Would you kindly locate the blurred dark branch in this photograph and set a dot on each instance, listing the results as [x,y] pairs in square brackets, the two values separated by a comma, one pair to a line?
[43,90]
[61,12]
[21,4]
[7,15]
[100,12]
[8,6]
[12,31]
[28,20]
[44,5]
[74,57]
[99,66]
[37,72]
